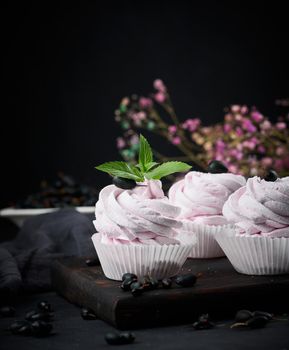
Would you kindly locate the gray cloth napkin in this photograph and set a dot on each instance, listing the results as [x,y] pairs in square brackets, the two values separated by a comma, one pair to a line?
[25,262]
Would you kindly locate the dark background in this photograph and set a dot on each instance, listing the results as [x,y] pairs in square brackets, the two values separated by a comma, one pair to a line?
[66,67]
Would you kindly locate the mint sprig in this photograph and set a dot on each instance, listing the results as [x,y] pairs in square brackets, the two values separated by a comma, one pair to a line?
[122,169]
[145,156]
[146,167]
[166,169]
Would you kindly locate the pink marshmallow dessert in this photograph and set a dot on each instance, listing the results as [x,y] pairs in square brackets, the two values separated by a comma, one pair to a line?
[259,244]
[201,197]
[136,232]
[135,222]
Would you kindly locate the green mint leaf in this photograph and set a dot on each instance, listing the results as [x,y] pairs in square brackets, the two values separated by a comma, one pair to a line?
[166,169]
[121,169]
[135,170]
[145,153]
[151,165]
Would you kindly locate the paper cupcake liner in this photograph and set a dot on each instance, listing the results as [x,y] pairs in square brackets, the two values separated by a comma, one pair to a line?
[158,261]
[206,246]
[256,255]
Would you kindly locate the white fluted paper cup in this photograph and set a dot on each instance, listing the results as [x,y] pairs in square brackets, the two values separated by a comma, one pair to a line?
[255,255]
[206,246]
[158,261]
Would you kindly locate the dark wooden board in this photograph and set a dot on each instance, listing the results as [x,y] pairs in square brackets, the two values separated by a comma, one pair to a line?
[219,290]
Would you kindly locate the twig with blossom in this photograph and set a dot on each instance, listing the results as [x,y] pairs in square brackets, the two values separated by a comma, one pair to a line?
[246,141]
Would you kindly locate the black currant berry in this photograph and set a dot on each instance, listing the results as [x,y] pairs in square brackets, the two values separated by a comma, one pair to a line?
[243,315]
[217,167]
[187,280]
[88,314]
[128,275]
[125,184]
[167,283]
[271,175]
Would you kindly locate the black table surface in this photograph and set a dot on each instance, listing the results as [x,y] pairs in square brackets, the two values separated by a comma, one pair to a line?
[72,332]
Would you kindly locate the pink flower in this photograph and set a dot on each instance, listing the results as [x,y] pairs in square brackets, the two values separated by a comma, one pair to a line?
[280,151]
[160,97]
[233,169]
[206,130]
[120,143]
[254,140]
[227,127]
[266,125]
[248,144]
[138,117]
[236,154]
[125,101]
[281,126]
[244,109]
[219,157]
[235,108]
[159,85]
[261,149]
[220,146]
[257,116]
[253,171]
[145,102]
[191,124]
[238,117]
[134,140]
[239,131]
[278,164]
[172,129]
[228,117]
[286,162]
[176,140]
[266,161]
[248,125]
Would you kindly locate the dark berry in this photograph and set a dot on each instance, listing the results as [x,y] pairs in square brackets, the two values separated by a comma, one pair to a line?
[271,175]
[41,328]
[257,322]
[36,316]
[145,282]
[217,167]
[125,184]
[21,328]
[137,292]
[88,314]
[154,283]
[127,337]
[187,280]
[129,275]
[7,311]
[203,323]
[167,283]
[17,325]
[44,306]
[136,284]
[204,318]
[136,288]
[149,283]
[92,262]
[116,338]
[264,314]
[113,338]
[200,326]
[125,285]
[243,315]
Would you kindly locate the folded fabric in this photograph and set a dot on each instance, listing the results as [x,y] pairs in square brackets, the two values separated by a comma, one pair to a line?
[10,277]
[25,262]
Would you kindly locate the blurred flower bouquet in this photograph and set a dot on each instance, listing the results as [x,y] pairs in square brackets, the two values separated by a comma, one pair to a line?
[246,141]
